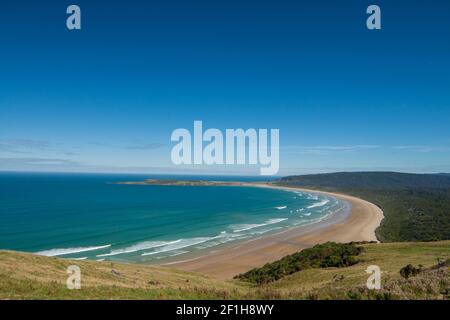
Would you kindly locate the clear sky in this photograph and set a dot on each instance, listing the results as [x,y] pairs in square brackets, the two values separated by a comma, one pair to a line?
[107,97]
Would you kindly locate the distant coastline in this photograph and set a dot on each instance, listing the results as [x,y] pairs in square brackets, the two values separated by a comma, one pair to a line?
[185,183]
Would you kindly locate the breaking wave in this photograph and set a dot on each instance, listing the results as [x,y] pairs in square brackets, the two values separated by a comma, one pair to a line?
[65,251]
[138,247]
[245,227]
[319,204]
[179,244]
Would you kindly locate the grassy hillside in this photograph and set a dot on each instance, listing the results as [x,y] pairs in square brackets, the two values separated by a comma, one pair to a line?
[26,276]
[349,282]
[416,206]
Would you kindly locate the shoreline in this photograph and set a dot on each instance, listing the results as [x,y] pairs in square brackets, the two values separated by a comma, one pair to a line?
[358,225]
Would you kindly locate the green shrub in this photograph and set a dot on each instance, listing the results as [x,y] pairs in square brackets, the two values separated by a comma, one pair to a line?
[325,255]
[409,271]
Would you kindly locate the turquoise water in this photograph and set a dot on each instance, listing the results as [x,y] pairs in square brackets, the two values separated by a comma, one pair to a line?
[90,217]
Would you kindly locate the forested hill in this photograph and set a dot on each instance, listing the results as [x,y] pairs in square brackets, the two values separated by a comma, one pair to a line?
[416,206]
[382,180]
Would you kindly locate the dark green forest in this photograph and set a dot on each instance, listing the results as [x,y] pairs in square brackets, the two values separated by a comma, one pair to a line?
[416,206]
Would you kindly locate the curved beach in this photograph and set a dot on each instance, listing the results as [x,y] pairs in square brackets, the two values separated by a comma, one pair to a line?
[358,225]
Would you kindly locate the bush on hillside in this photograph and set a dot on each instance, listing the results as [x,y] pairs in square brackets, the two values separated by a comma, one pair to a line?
[409,271]
[325,255]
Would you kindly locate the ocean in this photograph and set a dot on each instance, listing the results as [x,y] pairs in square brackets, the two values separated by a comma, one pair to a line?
[88,216]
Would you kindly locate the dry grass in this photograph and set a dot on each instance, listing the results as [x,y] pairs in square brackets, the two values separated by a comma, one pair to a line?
[116,280]
[27,276]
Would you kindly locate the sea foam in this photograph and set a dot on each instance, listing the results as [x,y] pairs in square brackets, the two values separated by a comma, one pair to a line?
[65,251]
[179,244]
[245,227]
[145,245]
[319,204]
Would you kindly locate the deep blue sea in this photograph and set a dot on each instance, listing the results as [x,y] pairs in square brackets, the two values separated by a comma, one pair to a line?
[87,216]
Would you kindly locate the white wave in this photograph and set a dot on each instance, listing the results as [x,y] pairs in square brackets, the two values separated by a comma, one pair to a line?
[319,204]
[244,227]
[259,232]
[177,253]
[179,244]
[307,214]
[281,208]
[313,197]
[222,238]
[100,260]
[138,247]
[61,252]
[83,258]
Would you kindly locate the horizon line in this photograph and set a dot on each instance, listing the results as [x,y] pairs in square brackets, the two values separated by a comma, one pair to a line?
[216,174]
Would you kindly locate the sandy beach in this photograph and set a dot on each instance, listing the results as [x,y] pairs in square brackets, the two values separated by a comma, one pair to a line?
[358,224]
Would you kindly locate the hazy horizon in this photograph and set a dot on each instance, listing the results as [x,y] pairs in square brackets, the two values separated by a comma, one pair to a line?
[210,174]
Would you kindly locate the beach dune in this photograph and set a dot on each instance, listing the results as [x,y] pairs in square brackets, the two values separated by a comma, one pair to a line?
[359,225]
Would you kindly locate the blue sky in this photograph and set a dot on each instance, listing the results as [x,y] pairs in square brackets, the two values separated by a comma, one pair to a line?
[106,98]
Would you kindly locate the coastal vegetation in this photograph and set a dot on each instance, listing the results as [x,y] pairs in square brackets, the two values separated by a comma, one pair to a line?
[416,207]
[325,255]
[423,283]
[27,276]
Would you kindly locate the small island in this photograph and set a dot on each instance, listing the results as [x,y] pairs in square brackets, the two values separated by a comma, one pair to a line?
[190,183]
